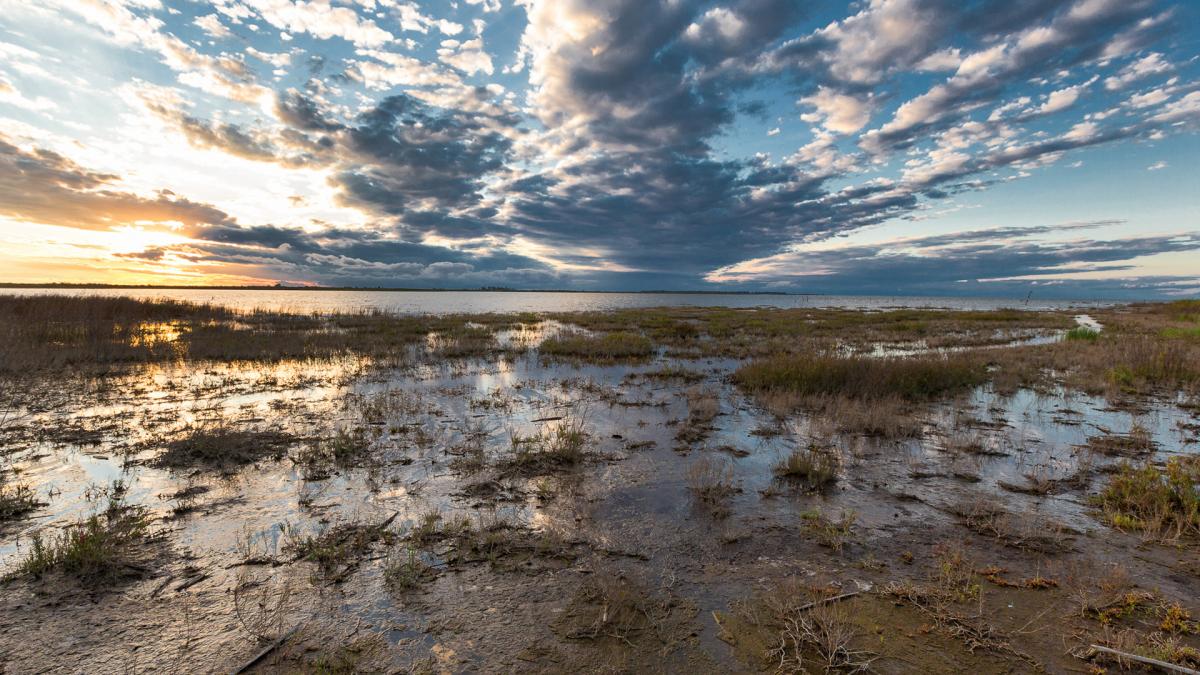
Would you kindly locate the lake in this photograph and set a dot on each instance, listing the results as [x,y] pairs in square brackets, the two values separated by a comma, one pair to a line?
[454,302]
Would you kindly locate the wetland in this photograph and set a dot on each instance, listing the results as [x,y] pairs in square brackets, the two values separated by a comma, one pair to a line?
[191,487]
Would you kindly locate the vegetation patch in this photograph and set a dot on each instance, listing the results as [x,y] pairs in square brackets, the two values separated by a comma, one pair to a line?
[914,379]
[794,627]
[223,447]
[829,532]
[337,549]
[1083,334]
[614,346]
[814,468]
[16,499]
[1163,503]
[99,549]
[550,449]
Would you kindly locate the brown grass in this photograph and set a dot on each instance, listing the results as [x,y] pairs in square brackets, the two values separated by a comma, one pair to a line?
[606,347]
[914,379]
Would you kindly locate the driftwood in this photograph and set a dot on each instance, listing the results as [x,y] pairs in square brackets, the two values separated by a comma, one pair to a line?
[826,601]
[266,650]
[1148,661]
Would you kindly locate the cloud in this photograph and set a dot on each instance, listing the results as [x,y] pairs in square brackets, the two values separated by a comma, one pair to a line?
[42,186]
[1159,165]
[467,56]
[321,20]
[1151,64]
[996,261]
[613,151]
[837,112]
[1060,99]
[211,25]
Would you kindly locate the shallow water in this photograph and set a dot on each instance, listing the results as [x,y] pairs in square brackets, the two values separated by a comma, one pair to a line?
[470,302]
[629,501]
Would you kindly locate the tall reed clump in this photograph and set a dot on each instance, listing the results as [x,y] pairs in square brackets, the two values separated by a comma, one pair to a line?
[914,378]
[1163,503]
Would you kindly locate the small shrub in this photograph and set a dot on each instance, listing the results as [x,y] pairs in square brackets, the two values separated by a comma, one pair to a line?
[1163,503]
[16,499]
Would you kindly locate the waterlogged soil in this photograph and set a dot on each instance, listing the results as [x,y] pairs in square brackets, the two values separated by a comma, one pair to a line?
[609,563]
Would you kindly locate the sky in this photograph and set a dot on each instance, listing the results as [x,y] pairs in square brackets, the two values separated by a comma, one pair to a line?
[894,147]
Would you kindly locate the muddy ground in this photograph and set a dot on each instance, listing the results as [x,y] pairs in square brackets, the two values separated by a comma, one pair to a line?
[507,511]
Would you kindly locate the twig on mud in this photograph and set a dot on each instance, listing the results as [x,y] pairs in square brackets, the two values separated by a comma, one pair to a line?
[1145,659]
[160,587]
[826,601]
[964,628]
[265,651]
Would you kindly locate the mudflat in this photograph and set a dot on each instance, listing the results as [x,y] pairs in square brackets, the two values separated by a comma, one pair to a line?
[196,488]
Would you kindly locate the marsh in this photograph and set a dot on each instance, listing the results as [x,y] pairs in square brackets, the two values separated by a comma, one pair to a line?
[200,487]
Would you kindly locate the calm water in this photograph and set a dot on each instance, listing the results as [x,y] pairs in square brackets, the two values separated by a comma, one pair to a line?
[451,302]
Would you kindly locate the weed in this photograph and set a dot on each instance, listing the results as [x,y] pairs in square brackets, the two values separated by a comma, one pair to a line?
[1162,503]
[711,480]
[552,448]
[404,570]
[797,628]
[825,629]
[336,549]
[829,532]
[95,550]
[703,406]
[1083,333]
[16,499]
[811,466]
[1093,587]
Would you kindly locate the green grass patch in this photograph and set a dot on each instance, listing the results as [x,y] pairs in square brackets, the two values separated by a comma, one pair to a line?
[1083,333]
[1177,333]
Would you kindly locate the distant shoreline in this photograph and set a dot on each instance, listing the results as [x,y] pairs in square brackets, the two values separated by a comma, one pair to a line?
[126,287]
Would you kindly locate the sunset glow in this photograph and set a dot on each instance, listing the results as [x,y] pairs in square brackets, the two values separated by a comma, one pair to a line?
[891,146]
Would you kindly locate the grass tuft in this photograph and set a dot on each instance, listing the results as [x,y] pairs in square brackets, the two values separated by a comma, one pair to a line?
[93,551]
[1083,333]
[811,466]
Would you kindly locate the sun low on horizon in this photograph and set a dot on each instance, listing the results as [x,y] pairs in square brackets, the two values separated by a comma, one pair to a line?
[887,147]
